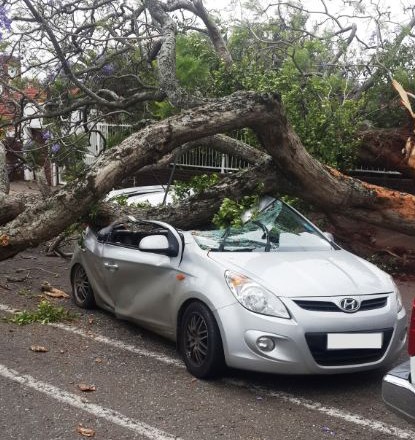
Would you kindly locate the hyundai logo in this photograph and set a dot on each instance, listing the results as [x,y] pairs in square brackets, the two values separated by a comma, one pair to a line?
[349,305]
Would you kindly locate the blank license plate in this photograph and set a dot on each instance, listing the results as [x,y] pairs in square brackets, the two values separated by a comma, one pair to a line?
[339,341]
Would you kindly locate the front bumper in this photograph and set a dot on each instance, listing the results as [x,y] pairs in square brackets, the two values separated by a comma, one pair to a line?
[398,392]
[240,329]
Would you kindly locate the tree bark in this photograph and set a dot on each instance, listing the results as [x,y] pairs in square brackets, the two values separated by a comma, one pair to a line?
[4,178]
[46,219]
[214,33]
[286,168]
[166,58]
[219,142]
[387,148]
[13,205]
[197,211]
[330,190]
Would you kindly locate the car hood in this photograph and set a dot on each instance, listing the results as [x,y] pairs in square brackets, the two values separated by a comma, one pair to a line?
[303,274]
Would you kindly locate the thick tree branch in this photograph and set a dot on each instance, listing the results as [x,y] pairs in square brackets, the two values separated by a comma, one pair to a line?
[4,178]
[44,220]
[197,211]
[166,58]
[214,33]
[386,148]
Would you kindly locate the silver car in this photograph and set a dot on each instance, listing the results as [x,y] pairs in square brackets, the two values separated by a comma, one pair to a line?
[274,295]
[398,386]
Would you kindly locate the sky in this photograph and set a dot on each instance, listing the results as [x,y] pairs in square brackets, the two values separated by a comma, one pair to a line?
[366,29]
[233,7]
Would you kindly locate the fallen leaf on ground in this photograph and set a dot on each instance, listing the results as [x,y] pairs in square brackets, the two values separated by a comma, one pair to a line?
[86,432]
[39,349]
[53,292]
[56,293]
[85,387]
[4,240]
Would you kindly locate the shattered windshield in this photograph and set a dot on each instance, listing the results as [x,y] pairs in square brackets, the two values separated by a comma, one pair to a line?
[276,228]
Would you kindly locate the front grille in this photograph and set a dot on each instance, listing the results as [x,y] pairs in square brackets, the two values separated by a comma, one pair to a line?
[328,306]
[376,303]
[317,343]
[317,306]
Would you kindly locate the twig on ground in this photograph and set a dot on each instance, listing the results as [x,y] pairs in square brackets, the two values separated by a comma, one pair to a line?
[47,271]
[54,248]
[17,279]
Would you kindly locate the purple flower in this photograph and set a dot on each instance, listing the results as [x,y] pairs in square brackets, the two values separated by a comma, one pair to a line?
[108,69]
[46,135]
[55,148]
[5,22]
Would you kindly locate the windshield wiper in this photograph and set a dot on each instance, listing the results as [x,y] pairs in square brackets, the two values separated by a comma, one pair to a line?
[224,237]
[266,232]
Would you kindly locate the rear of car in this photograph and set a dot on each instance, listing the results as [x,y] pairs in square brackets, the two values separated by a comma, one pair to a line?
[398,388]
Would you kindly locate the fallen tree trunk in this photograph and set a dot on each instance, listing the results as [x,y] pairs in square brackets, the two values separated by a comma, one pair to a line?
[45,219]
[330,190]
[386,149]
[13,205]
[286,168]
[197,211]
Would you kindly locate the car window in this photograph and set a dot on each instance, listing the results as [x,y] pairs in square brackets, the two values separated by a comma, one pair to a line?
[129,234]
[274,229]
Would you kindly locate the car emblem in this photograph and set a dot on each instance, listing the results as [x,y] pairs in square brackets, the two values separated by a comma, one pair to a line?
[349,305]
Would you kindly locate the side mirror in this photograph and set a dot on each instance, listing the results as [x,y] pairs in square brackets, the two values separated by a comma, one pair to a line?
[158,244]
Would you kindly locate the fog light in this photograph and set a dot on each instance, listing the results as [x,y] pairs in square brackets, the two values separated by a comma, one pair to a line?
[265,343]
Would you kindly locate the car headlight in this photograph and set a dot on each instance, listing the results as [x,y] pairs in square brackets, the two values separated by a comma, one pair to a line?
[398,297]
[254,297]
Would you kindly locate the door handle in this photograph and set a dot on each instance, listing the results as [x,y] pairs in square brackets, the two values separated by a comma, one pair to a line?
[110,266]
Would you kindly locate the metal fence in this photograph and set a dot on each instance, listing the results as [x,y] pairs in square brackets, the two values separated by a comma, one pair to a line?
[102,132]
[209,158]
[198,158]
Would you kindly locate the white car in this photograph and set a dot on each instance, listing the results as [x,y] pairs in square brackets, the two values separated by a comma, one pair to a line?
[153,195]
[398,388]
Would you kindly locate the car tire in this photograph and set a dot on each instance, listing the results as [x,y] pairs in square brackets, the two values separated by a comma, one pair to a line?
[82,293]
[200,342]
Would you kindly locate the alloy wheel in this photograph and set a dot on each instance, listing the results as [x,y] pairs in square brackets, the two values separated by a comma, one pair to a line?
[196,342]
[81,286]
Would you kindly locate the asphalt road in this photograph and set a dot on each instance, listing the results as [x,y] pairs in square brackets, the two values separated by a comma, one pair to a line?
[142,390]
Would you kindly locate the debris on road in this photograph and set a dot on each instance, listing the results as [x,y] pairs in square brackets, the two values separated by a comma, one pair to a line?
[12,279]
[38,349]
[53,292]
[86,432]
[86,388]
